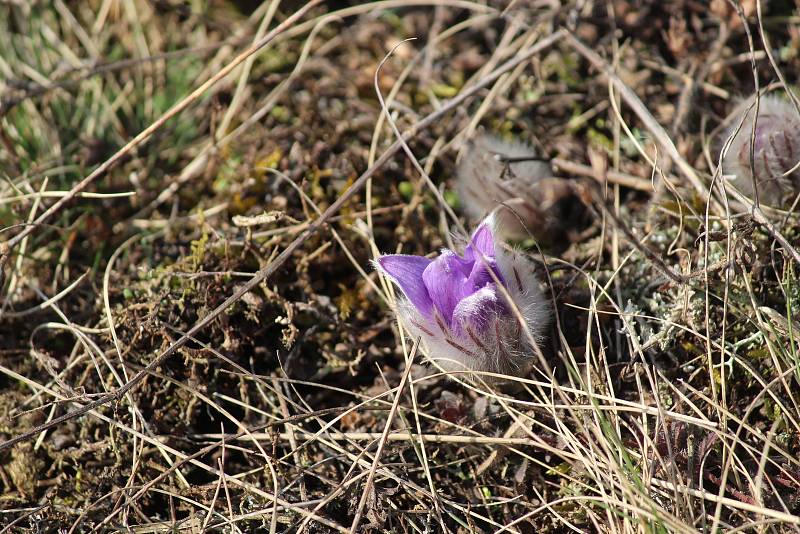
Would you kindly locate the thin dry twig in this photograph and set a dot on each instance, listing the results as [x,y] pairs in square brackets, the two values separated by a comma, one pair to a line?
[615,177]
[597,200]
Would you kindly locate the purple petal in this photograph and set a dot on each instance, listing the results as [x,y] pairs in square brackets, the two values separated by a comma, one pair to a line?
[480,276]
[477,310]
[482,241]
[764,128]
[407,272]
[446,281]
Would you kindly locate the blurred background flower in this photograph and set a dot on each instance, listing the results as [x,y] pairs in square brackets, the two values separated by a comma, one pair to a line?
[510,180]
[775,149]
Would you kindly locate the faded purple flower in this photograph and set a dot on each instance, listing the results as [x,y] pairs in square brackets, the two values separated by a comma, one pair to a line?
[776,150]
[454,303]
[507,179]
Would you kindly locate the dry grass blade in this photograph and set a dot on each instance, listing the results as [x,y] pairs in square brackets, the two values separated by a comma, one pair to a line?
[7,248]
[368,485]
[644,115]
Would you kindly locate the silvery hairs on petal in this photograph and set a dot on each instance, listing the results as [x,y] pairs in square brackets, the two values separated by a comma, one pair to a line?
[776,149]
[506,179]
[487,335]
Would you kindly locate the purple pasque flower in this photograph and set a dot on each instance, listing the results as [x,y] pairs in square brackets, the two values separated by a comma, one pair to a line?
[459,304]
[775,150]
[507,178]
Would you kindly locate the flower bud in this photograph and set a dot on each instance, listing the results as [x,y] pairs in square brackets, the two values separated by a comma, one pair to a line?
[455,304]
[776,150]
[508,180]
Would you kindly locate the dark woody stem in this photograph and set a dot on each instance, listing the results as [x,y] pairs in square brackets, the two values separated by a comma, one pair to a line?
[518,279]
[507,161]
